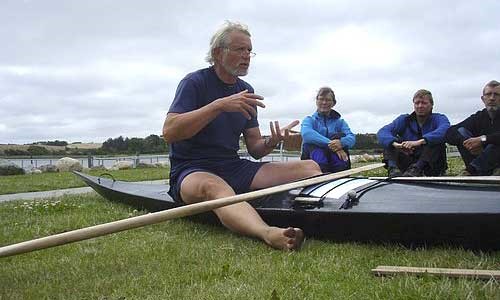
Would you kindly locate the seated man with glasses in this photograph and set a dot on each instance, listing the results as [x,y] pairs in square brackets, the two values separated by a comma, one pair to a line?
[326,137]
[211,109]
[478,137]
[414,143]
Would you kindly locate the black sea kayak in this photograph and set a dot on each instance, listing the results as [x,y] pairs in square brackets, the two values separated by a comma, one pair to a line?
[358,209]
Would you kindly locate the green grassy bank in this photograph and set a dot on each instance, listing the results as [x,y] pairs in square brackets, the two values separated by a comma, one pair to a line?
[63,180]
[181,259]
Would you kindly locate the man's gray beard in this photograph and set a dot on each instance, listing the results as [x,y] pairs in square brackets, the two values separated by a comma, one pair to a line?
[237,73]
[234,71]
[493,112]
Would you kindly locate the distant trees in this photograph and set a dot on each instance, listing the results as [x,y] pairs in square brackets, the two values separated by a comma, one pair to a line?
[155,144]
[366,141]
[152,144]
[148,145]
[117,145]
[52,143]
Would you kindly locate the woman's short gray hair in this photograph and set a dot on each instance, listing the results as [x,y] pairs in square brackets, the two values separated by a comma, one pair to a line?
[220,39]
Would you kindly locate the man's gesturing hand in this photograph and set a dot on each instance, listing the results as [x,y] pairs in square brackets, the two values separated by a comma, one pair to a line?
[243,102]
[277,134]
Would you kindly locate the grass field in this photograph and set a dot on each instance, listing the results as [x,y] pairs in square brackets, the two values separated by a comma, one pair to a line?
[53,181]
[4,147]
[182,259]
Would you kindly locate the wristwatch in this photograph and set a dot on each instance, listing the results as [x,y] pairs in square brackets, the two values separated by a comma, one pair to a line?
[483,138]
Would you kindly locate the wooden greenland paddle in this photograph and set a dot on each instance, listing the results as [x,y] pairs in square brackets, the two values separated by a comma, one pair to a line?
[466,273]
[157,217]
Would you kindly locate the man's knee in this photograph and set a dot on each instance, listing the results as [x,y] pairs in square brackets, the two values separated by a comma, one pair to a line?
[209,187]
[464,132]
[310,167]
[491,154]
[196,189]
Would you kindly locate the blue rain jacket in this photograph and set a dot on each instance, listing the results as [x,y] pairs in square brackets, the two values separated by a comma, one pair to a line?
[406,128]
[319,129]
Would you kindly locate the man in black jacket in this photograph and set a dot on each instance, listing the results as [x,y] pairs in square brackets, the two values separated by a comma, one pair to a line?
[478,136]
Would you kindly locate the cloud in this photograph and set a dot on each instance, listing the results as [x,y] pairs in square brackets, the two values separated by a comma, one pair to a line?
[87,71]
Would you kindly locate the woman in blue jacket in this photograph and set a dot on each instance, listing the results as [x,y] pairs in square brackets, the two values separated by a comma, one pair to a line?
[326,137]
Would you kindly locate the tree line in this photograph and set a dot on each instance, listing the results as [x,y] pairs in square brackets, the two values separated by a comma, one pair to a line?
[152,144]
[366,141]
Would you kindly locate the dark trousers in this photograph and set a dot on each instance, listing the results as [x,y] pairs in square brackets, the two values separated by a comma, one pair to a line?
[328,161]
[482,164]
[433,157]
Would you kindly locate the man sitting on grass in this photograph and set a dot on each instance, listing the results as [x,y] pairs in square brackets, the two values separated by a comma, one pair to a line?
[478,137]
[211,109]
[414,143]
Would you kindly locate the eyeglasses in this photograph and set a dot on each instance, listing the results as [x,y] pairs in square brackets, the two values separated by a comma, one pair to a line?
[496,95]
[242,51]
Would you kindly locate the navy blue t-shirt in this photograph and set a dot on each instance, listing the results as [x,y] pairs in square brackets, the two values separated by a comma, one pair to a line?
[220,138]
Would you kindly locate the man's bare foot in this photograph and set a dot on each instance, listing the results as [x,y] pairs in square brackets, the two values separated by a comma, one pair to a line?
[285,238]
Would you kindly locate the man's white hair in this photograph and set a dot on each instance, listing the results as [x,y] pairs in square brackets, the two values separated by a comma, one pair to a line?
[220,39]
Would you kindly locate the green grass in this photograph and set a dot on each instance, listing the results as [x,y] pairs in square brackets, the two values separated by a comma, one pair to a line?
[181,259]
[53,181]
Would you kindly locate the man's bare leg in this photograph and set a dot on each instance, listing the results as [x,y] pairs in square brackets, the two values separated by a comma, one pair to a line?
[241,217]
[273,174]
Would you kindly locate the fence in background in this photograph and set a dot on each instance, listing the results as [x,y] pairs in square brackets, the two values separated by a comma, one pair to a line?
[91,161]
[280,155]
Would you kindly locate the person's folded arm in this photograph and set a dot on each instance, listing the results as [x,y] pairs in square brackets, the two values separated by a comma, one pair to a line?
[387,134]
[311,136]
[437,136]
[349,140]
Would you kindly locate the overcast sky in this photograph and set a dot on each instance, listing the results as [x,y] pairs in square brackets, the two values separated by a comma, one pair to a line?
[90,70]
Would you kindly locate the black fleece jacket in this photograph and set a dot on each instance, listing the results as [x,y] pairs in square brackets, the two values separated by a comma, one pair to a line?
[478,124]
